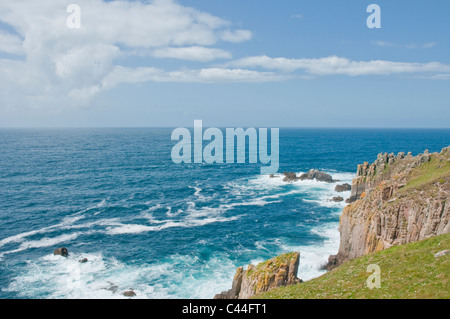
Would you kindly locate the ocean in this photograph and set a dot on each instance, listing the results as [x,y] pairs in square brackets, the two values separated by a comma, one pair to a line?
[168,230]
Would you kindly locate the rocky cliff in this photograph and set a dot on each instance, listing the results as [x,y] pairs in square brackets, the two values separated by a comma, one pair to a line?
[395,200]
[276,272]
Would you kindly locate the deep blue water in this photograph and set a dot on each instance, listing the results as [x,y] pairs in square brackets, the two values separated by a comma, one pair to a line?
[163,229]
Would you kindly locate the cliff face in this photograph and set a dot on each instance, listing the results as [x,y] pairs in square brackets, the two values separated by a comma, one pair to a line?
[395,200]
[276,272]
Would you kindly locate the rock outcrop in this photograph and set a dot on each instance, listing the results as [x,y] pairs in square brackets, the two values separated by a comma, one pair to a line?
[385,167]
[395,200]
[312,174]
[276,272]
[129,293]
[317,175]
[290,177]
[61,252]
[342,188]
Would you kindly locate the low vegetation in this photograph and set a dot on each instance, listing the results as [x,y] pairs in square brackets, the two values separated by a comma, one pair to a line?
[407,272]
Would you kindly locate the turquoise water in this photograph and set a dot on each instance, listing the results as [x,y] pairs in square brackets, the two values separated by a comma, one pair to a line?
[167,230]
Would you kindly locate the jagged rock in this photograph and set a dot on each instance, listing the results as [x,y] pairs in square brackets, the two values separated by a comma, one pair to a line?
[317,175]
[343,188]
[333,262]
[446,150]
[441,253]
[337,199]
[387,193]
[83,261]
[382,213]
[289,177]
[385,167]
[129,293]
[61,252]
[276,272]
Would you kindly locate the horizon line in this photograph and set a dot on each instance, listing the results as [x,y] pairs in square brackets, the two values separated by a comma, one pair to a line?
[229,126]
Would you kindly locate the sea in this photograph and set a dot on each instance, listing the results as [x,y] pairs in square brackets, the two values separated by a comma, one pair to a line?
[166,230]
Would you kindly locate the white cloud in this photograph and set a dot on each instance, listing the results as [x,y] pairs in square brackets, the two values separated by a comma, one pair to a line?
[56,67]
[122,75]
[334,65]
[236,36]
[10,43]
[58,61]
[407,46]
[428,45]
[195,53]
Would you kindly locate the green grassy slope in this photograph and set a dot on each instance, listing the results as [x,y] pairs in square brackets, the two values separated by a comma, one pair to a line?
[407,271]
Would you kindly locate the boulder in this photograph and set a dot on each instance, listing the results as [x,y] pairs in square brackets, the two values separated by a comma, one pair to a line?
[289,177]
[441,253]
[338,199]
[317,175]
[61,252]
[343,188]
[83,261]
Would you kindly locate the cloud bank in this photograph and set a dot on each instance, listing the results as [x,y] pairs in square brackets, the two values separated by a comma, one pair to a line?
[46,65]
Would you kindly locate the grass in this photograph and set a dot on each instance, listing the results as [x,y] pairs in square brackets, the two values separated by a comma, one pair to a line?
[407,272]
[429,173]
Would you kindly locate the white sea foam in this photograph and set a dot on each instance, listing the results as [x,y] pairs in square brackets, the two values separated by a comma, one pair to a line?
[106,278]
[187,223]
[44,242]
[58,277]
[68,222]
[199,196]
[66,278]
[313,257]
[21,237]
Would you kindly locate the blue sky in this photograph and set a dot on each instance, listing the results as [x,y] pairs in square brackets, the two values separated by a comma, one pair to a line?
[229,63]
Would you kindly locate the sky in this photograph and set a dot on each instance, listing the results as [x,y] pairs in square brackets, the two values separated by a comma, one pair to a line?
[233,63]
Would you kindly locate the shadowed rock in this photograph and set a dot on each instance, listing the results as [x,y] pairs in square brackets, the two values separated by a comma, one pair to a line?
[395,201]
[61,252]
[289,177]
[129,293]
[343,188]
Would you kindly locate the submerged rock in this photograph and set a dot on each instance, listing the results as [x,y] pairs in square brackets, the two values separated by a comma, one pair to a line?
[129,293]
[83,261]
[61,252]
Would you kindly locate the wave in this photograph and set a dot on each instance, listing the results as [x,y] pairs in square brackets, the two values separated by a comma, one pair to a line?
[188,223]
[105,277]
[67,222]
[56,277]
